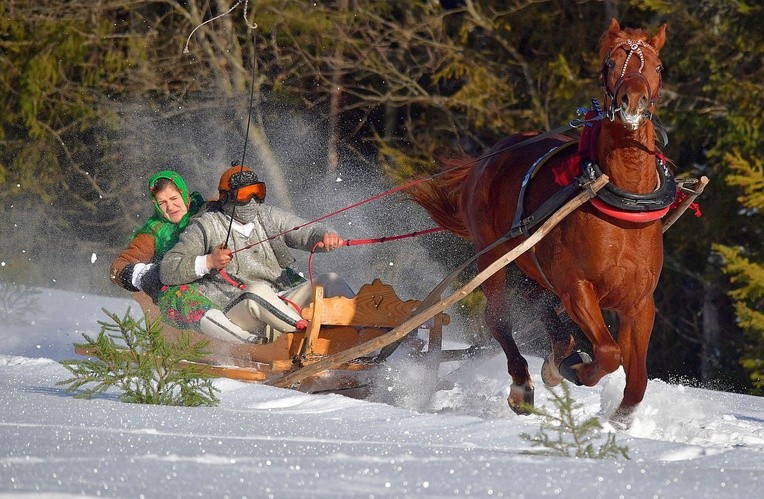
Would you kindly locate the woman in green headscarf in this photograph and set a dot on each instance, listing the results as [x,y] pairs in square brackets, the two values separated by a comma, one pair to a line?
[137,267]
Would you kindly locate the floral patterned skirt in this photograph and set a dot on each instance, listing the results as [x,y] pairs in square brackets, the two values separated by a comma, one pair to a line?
[184,305]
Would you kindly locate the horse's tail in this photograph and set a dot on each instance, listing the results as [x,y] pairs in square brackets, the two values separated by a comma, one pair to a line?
[440,195]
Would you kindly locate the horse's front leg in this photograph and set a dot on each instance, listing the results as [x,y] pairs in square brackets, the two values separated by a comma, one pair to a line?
[584,309]
[499,323]
[634,338]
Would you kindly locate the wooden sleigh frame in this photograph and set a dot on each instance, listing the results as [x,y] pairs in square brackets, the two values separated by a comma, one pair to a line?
[335,324]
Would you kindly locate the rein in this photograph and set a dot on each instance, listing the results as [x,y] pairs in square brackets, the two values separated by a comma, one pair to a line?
[573,124]
[359,242]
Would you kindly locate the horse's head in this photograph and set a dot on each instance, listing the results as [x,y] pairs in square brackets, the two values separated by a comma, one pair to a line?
[631,72]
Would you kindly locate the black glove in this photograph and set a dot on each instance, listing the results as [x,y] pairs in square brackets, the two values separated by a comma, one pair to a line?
[150,283]
[126,278]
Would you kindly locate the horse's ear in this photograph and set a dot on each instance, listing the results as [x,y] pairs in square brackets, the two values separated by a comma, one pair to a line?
[660,38]
[614,26]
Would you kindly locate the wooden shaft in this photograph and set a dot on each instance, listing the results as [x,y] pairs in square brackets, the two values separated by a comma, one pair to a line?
[674,216]
[425,314]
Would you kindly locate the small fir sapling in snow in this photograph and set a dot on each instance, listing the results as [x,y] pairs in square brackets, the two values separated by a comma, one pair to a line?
[137,359]
[562,435]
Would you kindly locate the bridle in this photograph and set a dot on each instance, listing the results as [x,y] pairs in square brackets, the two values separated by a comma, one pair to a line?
[632,47]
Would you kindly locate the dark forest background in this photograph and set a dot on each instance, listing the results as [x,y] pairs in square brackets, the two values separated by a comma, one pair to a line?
[353,97]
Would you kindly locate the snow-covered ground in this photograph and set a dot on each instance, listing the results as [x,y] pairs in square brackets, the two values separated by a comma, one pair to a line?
[455,437]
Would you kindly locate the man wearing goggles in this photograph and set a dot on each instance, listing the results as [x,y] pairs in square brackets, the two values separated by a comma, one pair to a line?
[242,185]
[249,278]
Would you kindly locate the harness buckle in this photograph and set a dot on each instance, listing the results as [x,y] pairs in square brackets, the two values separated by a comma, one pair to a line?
[587,186]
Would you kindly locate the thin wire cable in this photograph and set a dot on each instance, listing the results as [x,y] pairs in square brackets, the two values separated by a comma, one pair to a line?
[188,40]
[246,134]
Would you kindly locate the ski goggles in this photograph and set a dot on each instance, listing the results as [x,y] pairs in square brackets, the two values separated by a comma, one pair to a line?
[245,186]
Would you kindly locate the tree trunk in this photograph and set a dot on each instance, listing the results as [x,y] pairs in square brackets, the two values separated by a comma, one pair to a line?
[332,149]
[225,56]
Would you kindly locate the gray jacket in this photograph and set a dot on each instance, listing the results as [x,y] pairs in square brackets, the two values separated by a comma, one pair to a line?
[263,262]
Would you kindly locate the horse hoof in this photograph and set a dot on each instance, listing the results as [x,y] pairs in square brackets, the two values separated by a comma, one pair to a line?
[569,366]
[623,418]
[520,399]
[549,374]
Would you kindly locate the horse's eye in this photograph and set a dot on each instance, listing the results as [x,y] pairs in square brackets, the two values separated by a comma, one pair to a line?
[659,69]
[611,63]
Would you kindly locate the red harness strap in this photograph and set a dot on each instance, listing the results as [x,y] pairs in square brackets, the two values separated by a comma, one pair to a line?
[230,280]
[628,216]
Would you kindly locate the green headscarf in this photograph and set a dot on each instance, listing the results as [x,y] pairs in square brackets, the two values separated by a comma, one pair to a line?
[164,231]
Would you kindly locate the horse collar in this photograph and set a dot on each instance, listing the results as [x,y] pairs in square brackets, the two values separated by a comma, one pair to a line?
[630,206]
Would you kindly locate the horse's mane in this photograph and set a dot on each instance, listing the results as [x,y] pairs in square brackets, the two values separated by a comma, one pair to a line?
[440,195]
[611,39]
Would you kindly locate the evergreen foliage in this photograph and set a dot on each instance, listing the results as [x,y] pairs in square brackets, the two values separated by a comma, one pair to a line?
[747,274]
[561,434]
[137,359]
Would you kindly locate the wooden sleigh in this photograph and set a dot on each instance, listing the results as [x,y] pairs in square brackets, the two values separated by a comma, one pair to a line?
[336,324]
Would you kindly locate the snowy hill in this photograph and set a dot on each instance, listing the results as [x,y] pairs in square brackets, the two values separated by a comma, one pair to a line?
[455,437]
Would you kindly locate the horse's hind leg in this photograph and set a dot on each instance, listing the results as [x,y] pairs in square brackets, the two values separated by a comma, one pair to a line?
[543,305]
[498,321]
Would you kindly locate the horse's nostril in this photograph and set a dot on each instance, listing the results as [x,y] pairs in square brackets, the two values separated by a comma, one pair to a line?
[625,100]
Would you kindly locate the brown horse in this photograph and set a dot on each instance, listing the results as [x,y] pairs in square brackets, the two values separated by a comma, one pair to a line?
[606,255]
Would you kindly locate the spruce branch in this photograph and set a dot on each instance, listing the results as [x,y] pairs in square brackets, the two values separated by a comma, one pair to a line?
[136,358]
[560,434]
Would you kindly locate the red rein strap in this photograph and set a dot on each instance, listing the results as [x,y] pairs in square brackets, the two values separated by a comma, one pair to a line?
[230,280]
[293,304]
[346,208]
[359,242]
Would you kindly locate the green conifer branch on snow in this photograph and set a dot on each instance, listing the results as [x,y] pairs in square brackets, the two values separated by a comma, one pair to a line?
[137,359]
[561,434]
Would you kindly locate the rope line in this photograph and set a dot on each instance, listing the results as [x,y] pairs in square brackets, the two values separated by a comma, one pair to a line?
[576,123]
[341,210]
[359,242]
[249,122]
[246,21]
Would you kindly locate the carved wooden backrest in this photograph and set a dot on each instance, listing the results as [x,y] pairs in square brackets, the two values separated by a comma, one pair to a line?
[375,305]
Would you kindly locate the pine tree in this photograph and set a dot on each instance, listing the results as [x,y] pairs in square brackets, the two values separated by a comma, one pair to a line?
[562,434]
[746,269]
